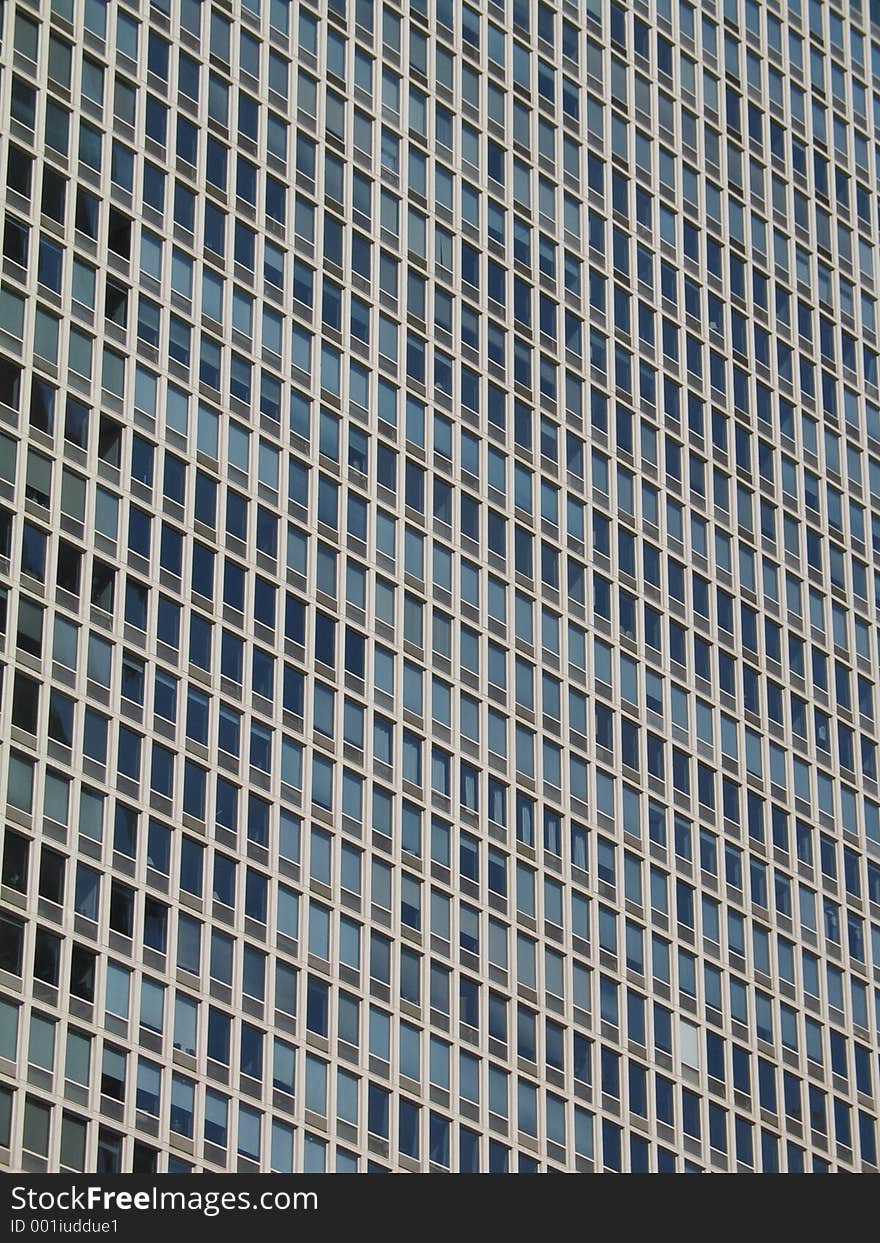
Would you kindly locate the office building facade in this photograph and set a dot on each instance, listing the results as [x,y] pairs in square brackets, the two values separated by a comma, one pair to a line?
[439,477]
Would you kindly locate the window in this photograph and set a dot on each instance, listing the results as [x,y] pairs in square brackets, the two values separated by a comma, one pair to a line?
[35,1132]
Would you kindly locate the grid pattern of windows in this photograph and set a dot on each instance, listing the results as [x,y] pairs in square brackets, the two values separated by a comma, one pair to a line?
[439,530]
